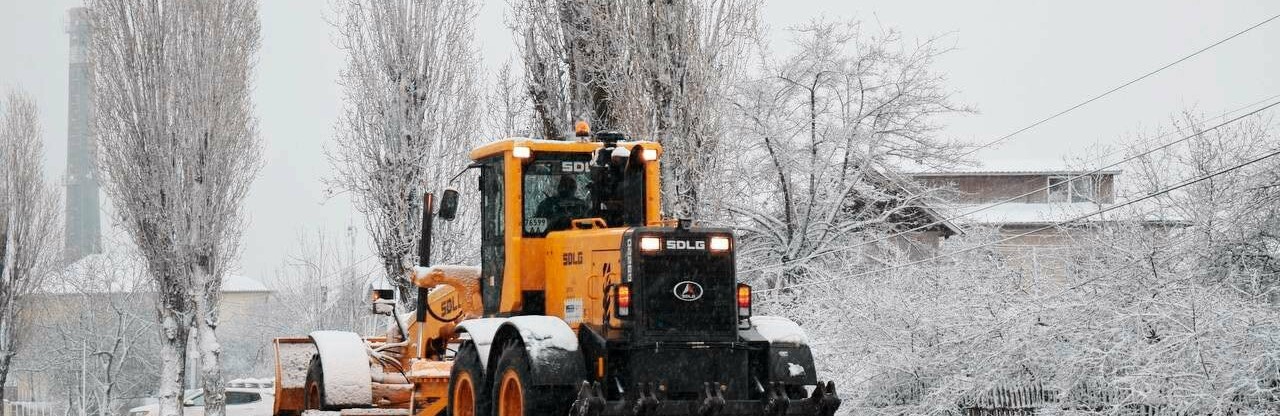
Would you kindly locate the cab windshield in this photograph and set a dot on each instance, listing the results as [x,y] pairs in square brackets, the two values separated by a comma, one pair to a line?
[561,187]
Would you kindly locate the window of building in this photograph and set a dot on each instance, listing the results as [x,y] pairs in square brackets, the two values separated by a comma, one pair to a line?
[1059,189]
[1084,189]
[1066,189]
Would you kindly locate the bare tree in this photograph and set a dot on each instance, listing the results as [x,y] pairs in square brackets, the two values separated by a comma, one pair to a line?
[410,119]
[320,287]
[656,70]
[822,131]
[30,234]
[507,105]
[99,327]
[1234,214]
[178,149]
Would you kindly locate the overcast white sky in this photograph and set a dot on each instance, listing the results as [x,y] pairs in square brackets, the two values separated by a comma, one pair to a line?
[1017,62]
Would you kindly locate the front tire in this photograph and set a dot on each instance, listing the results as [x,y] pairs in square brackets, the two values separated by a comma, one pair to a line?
[468,392]
[515,392]
[313,390]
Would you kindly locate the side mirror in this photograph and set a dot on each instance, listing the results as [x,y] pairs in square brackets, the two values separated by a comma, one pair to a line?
[449,204]
[383,301]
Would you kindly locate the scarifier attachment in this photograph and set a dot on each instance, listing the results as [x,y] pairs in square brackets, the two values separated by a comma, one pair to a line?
[647,402]
[590,400]
[712,400]
[825,399]
[776,402]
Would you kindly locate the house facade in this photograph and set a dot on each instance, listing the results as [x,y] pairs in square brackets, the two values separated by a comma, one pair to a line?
[1027,209]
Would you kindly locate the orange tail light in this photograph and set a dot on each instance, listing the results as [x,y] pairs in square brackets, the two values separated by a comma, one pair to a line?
[624,299]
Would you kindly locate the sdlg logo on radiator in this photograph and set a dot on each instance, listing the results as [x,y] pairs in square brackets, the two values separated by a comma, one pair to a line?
[687,291]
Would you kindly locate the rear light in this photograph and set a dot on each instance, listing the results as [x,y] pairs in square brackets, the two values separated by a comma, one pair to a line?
[649,155]
[744,301]
[650,244]
[719,243]
[623,294]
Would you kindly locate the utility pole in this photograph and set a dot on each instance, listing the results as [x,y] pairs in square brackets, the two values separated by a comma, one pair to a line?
[83,367]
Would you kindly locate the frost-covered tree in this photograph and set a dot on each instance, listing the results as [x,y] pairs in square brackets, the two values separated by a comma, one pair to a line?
[178,148]
[1158,312]
[97,330]
[507,105]
[410,118]
[1234,215]
[654,70]
[30,230]
[320,287]
[821,132]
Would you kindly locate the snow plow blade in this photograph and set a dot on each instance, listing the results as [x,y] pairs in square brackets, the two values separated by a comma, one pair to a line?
[293,355]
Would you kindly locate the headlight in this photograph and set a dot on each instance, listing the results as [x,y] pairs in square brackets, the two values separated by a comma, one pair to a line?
[719,243]
[650,243]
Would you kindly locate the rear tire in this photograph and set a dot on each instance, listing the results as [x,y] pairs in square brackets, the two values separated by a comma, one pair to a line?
[468,389]
[514,390]
[313,390]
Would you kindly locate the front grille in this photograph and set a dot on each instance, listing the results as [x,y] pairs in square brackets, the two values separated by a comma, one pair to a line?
[662,280]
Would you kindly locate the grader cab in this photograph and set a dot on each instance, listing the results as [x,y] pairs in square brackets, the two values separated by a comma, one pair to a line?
[585,303]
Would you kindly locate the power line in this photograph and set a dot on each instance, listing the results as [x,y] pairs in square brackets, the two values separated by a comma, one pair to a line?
[1015,198]
[1121,86]
[1183,184]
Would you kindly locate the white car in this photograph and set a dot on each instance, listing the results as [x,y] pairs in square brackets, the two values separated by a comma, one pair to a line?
[240,402]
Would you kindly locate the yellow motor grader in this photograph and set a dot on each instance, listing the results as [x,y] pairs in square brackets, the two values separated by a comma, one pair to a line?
[585,303]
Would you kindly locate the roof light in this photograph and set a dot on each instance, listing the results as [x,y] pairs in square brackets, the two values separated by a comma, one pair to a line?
[719,243]
[521,152]
[581,129]
[649,155]
[623,293]
[650,243]
[744,301]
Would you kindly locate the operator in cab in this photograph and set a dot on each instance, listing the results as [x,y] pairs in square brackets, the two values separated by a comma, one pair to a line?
[562,208]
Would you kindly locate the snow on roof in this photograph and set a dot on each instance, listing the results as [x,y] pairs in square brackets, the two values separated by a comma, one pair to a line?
[979,172]
[1046,214]
[122,272]
[234,283]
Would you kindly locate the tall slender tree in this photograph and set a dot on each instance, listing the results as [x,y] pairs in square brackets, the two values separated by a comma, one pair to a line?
[411,115]
[178,148]
[30,223]
[656,70]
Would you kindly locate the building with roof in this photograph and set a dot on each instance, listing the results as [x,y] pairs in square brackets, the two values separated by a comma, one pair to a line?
[1042,213]
[85,307]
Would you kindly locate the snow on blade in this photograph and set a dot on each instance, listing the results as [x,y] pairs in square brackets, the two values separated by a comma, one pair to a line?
[777,329]
[293,359]
[345,362]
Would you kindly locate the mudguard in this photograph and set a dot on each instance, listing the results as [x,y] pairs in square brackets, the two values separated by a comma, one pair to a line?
[344,359]
[481,332]
[775,330]
[788,358]
[550,343]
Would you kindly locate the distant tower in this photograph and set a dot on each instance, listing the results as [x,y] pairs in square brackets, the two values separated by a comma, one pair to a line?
[83,232]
